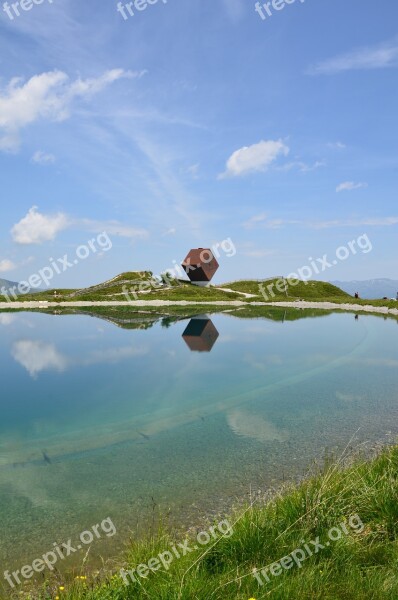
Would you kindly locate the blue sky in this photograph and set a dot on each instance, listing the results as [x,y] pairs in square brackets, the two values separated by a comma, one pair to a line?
[194,122]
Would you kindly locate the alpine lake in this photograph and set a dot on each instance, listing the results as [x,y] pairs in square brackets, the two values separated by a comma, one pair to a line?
[142,416]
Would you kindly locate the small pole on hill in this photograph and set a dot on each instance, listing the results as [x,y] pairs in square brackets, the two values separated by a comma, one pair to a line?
[285,282]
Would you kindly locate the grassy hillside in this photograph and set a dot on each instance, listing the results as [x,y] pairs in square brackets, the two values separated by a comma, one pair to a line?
[341,526]
[142,285]
[276,289]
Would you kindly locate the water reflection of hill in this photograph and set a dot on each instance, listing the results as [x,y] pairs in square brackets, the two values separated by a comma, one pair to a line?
[131,318]
[279,313]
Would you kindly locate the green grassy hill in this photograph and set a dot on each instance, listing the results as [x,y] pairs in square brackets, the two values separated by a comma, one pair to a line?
[277,289]
[142,285]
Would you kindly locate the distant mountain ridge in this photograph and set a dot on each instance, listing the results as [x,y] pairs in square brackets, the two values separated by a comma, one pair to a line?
[7,284]
[370,289]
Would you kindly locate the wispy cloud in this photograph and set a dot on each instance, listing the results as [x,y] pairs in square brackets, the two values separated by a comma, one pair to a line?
[302,166]
[349,186]
[337,145]
[37,228]
[43,158]
[38,356]
[111,227]
[193,170]
[235,9]
[168,186]
[261,221]
[368,222]
[375,57]
[171,231]
[48,96]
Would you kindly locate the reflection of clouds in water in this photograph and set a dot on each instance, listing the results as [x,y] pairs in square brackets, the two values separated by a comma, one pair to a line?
[113,355]
[254,426]
[262,363]
[6,319]
[347,397]
[37,356]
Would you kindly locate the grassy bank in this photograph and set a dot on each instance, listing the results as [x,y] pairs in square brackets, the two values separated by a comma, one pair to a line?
[352,512]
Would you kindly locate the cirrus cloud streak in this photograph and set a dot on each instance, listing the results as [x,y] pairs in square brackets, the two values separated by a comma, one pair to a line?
[47,96]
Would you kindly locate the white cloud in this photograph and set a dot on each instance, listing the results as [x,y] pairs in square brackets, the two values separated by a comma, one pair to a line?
[36,357]
[6,265]
[47,96]
[42,158]
[36,228]
[257,157]
[348,186]
[375,57]
[6,319]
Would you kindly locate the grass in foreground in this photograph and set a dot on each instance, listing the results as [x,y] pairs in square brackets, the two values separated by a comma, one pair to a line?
[361,564]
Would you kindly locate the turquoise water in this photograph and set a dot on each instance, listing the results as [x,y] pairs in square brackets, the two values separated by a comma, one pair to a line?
[98,420]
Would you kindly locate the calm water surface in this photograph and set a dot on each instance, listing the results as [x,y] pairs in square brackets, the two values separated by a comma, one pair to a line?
[102,421]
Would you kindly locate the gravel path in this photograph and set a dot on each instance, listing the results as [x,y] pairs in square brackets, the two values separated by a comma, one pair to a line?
[158,303]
